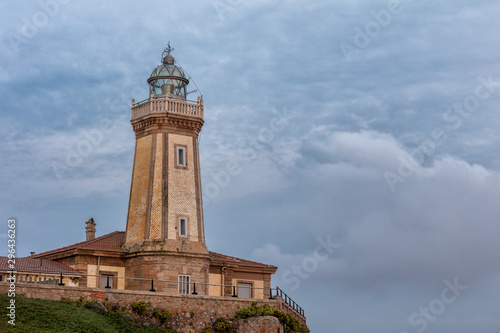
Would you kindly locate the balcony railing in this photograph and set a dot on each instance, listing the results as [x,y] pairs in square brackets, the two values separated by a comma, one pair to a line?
[167,104]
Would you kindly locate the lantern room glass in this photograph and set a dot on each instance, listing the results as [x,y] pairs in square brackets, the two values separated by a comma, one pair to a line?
[168,79]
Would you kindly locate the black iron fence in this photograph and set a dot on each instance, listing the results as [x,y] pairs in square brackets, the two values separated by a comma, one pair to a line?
[287,300]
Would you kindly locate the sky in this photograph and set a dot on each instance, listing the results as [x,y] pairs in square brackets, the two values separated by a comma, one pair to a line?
[354,144]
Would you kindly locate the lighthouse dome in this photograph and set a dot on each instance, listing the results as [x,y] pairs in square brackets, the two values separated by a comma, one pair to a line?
[168,79]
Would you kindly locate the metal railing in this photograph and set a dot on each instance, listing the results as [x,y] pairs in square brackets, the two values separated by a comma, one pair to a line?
[107,281]
[287,300]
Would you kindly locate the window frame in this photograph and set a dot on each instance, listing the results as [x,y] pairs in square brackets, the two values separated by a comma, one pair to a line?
[113,281]
[250,283]
[182,148]
[179,219]
[184,284]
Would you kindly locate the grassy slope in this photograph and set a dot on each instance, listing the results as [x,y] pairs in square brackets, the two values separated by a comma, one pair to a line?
[36,315]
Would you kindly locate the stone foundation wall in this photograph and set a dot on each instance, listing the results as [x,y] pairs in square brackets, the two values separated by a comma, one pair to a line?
[206,309]
[167,267]
[260,325]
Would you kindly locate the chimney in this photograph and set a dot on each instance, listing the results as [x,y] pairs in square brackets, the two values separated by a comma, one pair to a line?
[32,253]
[90,229]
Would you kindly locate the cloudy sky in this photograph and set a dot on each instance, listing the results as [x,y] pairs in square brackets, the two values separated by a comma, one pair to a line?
[364,135]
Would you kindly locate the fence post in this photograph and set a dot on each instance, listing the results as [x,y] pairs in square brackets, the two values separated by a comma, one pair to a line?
[194,290]
[234,291]
[60,281]
[107,282]
[152,286]
[270,293]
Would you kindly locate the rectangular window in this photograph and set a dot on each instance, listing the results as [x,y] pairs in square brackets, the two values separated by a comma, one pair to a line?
[104,281]
[181,156]
[182,226]
[244,290]
[183,284]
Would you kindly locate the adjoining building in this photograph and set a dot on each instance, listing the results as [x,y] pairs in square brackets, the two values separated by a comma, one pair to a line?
[164,239]
[40,271]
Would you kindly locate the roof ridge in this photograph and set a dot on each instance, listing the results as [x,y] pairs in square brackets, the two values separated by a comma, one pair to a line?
[233,258]
[102,237]
[65,265]
[29,264]
[77,245]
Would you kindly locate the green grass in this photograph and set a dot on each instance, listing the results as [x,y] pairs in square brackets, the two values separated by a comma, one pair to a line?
[37,315]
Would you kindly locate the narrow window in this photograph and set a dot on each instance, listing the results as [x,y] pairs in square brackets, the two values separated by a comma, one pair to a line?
[183,284]
[244,290]
[182,227]
[181,156]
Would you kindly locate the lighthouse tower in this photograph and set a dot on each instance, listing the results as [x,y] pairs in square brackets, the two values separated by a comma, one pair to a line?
[165,236]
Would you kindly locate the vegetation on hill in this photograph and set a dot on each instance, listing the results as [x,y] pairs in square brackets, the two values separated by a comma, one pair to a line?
[37,315]
[291,324]
[42,316]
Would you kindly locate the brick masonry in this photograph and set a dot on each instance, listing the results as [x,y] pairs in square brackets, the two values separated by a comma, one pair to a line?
[182,197]
[139,191]
[206,309]
[163,191]
[156,218]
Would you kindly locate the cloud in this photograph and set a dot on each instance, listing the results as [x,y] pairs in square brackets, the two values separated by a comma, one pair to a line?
[426,230]
[320,175]
[48,164]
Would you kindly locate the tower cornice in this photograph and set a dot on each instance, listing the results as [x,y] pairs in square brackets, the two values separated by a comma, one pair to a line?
[160,113]
[159,123]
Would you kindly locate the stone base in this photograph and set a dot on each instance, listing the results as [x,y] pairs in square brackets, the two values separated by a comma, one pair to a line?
[266,324]
[167,266]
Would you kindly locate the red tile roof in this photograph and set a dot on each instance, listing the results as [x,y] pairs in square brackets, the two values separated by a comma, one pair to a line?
[109,242]
[240,262]
[113,242]
[36,265]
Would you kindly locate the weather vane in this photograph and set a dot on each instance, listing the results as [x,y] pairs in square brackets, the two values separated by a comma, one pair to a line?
[167,51]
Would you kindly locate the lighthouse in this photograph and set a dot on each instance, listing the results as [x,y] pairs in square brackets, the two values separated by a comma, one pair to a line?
[165,236]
